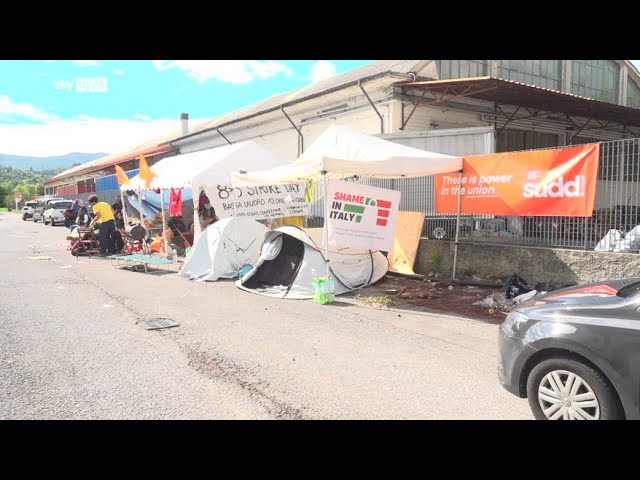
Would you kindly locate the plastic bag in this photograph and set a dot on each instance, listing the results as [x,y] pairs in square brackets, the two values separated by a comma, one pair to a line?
[323,291]
[515,286]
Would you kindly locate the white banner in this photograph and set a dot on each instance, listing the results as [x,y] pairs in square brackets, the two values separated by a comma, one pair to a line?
[258,202]
[361,216]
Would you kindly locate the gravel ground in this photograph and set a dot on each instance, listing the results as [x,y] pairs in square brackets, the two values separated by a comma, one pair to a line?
[71,348]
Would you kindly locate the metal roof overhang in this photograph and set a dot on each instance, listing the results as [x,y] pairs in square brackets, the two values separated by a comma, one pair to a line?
[111,160]
[500,91]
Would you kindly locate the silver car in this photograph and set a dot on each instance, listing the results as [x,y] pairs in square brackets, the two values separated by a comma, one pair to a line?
[575,353]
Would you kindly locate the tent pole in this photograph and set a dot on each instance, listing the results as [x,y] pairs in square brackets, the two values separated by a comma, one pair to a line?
[164,223]
[455,246]
[140,203]
[125,217]
[326,222]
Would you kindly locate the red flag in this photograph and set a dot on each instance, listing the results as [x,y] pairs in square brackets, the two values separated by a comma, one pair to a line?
[146,173]
[122,177]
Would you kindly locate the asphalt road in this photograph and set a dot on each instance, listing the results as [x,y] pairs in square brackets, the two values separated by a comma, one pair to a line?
[71,348]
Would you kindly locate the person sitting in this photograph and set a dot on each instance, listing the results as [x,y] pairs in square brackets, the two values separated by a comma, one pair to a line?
[157,245]
[83,218]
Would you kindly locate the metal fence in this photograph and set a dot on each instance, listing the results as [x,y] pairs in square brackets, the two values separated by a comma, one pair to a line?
[617,208]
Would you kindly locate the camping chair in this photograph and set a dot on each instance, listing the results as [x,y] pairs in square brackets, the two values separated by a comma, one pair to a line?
[87,243]
[131,245]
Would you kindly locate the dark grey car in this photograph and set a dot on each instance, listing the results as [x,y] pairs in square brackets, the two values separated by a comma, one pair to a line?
[575,353]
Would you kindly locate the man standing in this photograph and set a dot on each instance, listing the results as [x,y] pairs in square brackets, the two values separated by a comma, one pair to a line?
[104,216]
[75,208]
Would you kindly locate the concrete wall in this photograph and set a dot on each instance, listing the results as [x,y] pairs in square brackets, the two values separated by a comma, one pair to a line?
[534,264]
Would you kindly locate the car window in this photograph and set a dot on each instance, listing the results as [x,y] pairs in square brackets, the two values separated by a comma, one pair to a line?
[629,290]
[61,205]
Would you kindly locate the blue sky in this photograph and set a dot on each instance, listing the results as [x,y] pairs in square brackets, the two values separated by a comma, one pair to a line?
[56,107]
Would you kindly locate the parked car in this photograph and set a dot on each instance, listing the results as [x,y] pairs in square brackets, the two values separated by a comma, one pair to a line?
[41,206]
[27,210]
[55,212]
[443,227]
[575,353]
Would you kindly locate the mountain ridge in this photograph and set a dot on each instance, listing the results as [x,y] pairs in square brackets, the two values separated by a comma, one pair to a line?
[54,162]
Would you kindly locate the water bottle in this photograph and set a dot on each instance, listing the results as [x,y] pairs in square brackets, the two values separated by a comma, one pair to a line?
[174,254]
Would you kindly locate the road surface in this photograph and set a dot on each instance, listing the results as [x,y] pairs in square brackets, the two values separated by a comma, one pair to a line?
[72,348]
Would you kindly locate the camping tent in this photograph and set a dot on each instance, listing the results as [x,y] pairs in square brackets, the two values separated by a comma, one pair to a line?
[290,260]
[224,248]
[205,169]
[342,151]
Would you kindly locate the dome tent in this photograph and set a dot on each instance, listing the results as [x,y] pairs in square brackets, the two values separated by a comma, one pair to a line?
[223,249]
[290,260]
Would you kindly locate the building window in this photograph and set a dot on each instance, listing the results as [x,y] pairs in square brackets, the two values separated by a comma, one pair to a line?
[448,69]
[514,140]
[633,94]
[543,73]
[595,79]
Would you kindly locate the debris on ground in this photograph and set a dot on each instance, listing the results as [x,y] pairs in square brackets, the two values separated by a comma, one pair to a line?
[39,257]
[524,297]
[486,299]
[515,286]
[377,302]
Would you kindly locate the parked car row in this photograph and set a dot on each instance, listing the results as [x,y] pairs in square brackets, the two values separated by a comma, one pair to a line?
[49,211]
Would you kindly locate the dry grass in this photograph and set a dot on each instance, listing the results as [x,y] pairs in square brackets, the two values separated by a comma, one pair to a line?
[377,302]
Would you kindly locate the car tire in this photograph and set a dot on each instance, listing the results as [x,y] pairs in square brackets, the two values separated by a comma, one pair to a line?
[439,233]
[24,218]
[549,400]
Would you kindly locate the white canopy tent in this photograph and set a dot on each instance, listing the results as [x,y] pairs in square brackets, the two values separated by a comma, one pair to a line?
[205,169]
[341,151]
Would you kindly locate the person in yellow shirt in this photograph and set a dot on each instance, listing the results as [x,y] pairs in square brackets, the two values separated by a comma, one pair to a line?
[105,217]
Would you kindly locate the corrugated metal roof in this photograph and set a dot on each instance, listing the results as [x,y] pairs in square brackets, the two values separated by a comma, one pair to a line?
[376,68]
[154,146]
[526,95]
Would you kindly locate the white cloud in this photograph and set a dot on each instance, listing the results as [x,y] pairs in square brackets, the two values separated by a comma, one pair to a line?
[83,135]
[232,71]
[87,63]
[118,72]
[268,69]
[321,70]
[25,110]
[140,116]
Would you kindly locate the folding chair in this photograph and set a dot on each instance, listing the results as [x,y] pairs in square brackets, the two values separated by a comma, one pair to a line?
[87,243]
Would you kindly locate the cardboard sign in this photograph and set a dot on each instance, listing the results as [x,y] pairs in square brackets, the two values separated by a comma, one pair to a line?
[554,182]
[361,216]
[258,202]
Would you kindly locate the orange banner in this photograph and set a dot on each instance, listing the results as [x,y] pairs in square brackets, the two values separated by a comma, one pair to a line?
[556,182]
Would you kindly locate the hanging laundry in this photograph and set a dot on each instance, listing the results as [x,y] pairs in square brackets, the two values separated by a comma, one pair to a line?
[175,203]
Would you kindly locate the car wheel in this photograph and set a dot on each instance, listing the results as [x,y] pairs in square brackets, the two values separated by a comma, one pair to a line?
[566,389]
[439,233]
[24,218]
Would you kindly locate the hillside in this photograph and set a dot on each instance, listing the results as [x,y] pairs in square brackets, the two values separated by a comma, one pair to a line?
[59,162]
